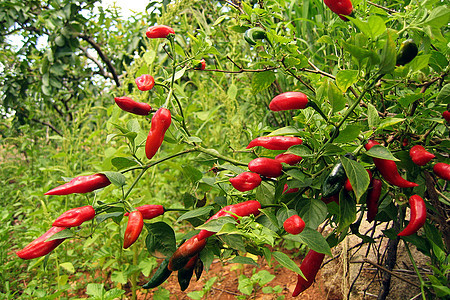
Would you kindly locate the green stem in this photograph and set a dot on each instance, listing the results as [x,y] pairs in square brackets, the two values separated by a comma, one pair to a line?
[220,156]
[422,283]
[175,209]
[318,109]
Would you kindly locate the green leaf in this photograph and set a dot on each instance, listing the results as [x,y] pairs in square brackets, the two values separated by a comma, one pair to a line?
[444,94]
[263,277]
[243,260]
[312,211]
[287,262]
[95,290]
[133,126]
[357,175]
[300,150]
[216,225]
[313,239]
[116,178]
[372,114]
[335,97]
[348,134]
[245,285]
[389,122]
[63,234]
[149,56]
[347,212]
[121,163]
[265,192]
[234,241]
[419,62]
[332,149]
[284,131]
[68,266]
[193,174]
[388,56]
[345,78]
[202,211]
[438,17]
[119,277]
[262,80]
[160,238]
[380,151]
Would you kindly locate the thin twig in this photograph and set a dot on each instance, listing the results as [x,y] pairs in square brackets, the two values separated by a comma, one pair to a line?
[382,7]
[226,291]
[241,70]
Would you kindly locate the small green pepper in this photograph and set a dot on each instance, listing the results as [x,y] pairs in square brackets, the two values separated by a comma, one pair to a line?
[253,34]
[408,50]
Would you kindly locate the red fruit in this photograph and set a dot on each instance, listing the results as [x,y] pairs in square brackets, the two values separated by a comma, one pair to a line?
[145,82]
[446,116]
[134,228]
[185,252]
[201,65]
[81,185]
[160,123]
[289,101]
[286,190]
[159,31]
[442,170]
[309,267]
[266,167]
[129,105]
[150,211]
[294,224]
[420,156]
[373,196]
[39,247]
[75,216]
[418,216]
[340,7]
[290,159]
[245,181]
[275,142]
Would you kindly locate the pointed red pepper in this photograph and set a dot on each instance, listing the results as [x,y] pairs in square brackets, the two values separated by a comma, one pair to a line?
[290,159]
[309,267]
[75,216]
[129,105]
[150,211]
[245,181]
[275,142]
[160,123]
[134,228]
[288,101]
[266,167]
[418,215]
[420,156]
[159,31]
[81,185]
[39,247]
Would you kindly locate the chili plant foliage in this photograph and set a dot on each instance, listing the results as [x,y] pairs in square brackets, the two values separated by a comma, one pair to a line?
[335,94]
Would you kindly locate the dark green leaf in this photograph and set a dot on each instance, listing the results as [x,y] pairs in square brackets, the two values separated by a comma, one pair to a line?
[348,134]
[160,238]
[300,150]
[193,174]
[234,241]
[116,178]
[286,262]
[388,56]
[313,212]
[202,211]
[63,234]
[347,211]
[379,151]
[313,239]
[444,94]
[357,175]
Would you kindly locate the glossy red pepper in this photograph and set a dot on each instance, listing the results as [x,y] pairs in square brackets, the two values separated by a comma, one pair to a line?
[388,169]
[266,167]
[150,211]
[275,142]
[348,186]
[129,105]
[201,65]
[242,209]
[446,116]
[145,82]
[81,185]
[160,123]
[290,159]
[340,7]
[288,101]
[245,181]
[134,228]
[75,216]
[294,224]
[418,215]
[287,190]
[309,267]
[373,196]
[159,31]
[39,247]
[442,170]
[185,252]
[420,156]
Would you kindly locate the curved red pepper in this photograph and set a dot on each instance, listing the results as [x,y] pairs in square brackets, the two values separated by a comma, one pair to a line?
[290,159]
[340,7]
[39,247]
[245,181]
[442,170]
[150,211]
[418,215]
[275,142]
[446,116]
[81,185]
[309,267]
[159,31]
[420,156]
[185,252]
[145,82]
[348,186]
[288,101]
[160,123]
[134,228]
[373,195]
[266,167]
[129,105]
[242,209]
[388,169]
[75,216]
[294,224]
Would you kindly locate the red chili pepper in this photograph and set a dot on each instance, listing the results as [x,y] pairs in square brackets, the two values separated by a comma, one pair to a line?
[309,267]
[420,156]
[294,224]
[388,169]
[373,196]
[81,185]
[245,181]
[39,247]
[275,142]
[185,252]
[159,31]
[75,216]
[286,190]
[134,228]
[145,82]
[288,101]
[442,170]
[201,65]
[246,208]
[418,215]
[266,167]
[340,7]
[332,198]
[290,159]
[150,211]
[160,123]
[348,186]
[446,116]
[129,105]
[405,142]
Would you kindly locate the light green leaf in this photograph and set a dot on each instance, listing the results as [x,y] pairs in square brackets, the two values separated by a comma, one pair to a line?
[444,94]
[116,178]
[372,114]
[287,262]
[202,211]
[262,80]
[348,134]
[388,56]
[68,266]
[389,122]
[345,78]
[379,151]
[335,97]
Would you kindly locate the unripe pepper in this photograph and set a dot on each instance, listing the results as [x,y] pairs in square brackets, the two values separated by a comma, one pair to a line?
[309,267]
[39,247]
[253,34]
[418,215]
[145,82]
[408,50]
[242,209]
[161,275]
[75,216]
[388,169]
[185,273]
[446,116]
[373,196]
[185,252]
[129,105]
[294,224]
[442,170]
[334,182]
[245,181]
[420,156]
[290,159]
[160,123]
[81,185]
[150,211]
[134,228]
[159,31]
[348,186]
[340,7]
[266,167]
[275,142]
[288,101]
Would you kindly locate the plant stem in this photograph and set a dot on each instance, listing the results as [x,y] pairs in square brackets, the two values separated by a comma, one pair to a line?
[220,156]
[422,283]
